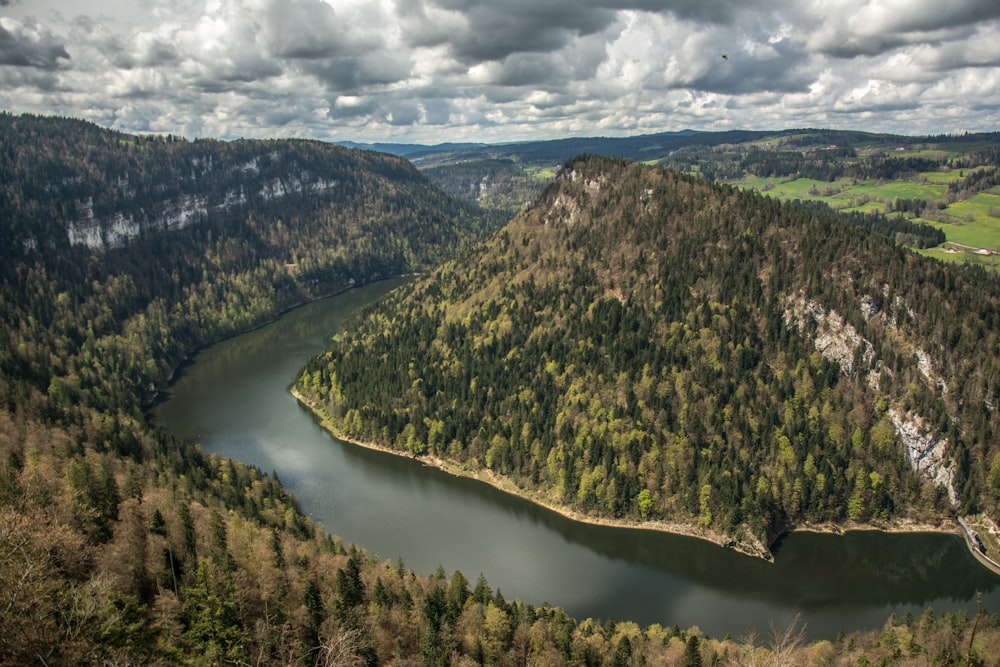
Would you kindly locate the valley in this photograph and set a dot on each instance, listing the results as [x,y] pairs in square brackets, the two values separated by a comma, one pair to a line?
[611,335]
[234,399]
[637,346]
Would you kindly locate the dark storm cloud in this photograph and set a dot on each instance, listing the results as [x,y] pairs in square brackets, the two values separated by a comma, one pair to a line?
[493,30]
[42,80]
[350,73]
[29,45]
[528,69]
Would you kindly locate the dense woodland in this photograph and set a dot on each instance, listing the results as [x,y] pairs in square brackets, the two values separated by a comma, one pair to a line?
[104,327]
[509,183]
[635,347]
[637,148]
[832,155]
[120,545]
[492,184]
[904,232]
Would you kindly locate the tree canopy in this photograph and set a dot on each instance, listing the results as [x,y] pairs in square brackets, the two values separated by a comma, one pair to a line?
[645,345]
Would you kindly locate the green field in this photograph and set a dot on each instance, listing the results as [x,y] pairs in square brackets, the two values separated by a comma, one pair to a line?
[845,194]
[970,225]
[541,173]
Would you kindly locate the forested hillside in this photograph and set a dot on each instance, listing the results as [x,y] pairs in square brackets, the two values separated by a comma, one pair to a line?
[648,346]
[902,187]
[104,322]
[113,538]
[120,545]
[494,184]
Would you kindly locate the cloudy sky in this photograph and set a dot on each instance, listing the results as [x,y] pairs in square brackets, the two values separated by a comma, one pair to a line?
[432,71]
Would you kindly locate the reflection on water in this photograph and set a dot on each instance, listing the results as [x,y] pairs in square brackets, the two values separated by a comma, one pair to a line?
[233,398]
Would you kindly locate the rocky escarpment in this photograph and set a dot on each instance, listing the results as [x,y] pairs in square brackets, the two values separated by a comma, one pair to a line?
[926,449]
[178,210]
[70,183]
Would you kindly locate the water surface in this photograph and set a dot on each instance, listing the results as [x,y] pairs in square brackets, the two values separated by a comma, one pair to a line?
[233,399]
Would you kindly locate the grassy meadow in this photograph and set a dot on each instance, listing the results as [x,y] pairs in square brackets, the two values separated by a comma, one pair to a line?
[971,225]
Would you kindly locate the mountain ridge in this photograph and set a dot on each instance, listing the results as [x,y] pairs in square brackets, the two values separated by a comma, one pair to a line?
[587,351]
[120,544]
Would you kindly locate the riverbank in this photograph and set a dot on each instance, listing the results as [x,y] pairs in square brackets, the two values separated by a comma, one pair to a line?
[503,484]
[158,392]
[746,543]
[983,543]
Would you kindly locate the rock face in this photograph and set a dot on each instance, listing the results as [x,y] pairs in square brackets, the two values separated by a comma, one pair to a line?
[838,341]
[68,183]
[925,450]
[181,210]
[835,339]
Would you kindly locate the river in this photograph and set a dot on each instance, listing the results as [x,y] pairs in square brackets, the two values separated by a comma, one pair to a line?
[233,399]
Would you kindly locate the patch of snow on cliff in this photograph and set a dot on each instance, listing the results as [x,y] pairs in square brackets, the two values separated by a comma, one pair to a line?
[925,451]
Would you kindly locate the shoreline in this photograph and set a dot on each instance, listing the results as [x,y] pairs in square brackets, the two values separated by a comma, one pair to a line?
[750,547]
[159,391]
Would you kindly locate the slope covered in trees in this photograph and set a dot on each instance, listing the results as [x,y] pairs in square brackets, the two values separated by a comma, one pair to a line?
[123,546]
[495,184]
[104,319]
[647,346]
[107,543]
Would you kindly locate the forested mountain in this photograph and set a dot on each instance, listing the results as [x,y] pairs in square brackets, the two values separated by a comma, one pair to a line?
[120,545]
[648,346]
[411,151]
[639,148]
[880,182]
[92,261]
[502,185]
[113,538]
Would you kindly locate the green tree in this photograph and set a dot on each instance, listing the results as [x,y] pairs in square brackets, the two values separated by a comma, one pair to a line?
[692,652]
[645,502]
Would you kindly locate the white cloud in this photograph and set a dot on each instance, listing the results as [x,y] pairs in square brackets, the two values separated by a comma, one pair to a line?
[445,70]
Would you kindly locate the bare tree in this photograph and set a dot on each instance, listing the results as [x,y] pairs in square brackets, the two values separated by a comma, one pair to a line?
[341,649]
[781,652]
[785,642]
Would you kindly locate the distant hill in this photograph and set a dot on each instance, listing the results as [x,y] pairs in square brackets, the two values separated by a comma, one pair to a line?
[646,346]
[555,151]
[925,192]
[496,184]
[410,150]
